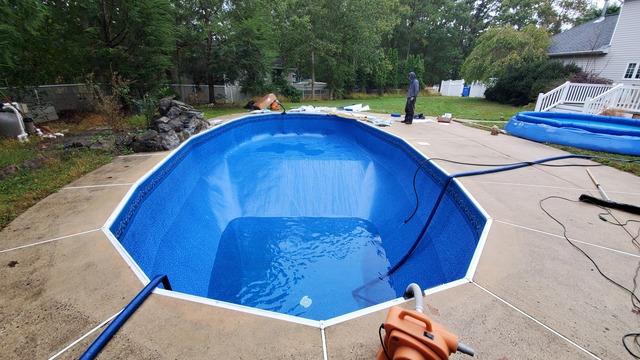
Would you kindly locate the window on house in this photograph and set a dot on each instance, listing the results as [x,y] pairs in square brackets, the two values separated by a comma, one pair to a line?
[631,69]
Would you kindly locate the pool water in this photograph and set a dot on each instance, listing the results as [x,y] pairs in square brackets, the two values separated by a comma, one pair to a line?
[284,264]
[294,214]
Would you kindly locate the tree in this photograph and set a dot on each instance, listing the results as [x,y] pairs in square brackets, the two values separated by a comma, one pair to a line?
[21,25]
[335,38]
[251,48]
[549,14]
[63,41]
[434,32]
[521,84]
[134,39]
[347,43]
[499,48]
[202,31]
[594,12]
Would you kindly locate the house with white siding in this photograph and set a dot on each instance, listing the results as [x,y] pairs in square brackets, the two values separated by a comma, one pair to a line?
[608,46]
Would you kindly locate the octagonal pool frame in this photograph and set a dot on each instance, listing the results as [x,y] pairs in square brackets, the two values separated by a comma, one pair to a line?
[179,153]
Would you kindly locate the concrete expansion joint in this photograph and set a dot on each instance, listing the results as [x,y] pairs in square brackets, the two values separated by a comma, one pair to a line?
[530,317]
[49,240]
[573,240]
[73,343]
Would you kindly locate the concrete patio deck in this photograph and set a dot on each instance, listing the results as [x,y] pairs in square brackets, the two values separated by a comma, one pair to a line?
[533,295]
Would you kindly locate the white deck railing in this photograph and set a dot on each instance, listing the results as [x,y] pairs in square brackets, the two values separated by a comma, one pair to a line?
[620,97]
[570,93]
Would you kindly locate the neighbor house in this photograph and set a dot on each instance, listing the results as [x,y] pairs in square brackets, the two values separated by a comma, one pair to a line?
[608,46]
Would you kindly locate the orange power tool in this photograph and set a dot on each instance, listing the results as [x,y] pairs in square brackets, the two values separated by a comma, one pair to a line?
[410,335]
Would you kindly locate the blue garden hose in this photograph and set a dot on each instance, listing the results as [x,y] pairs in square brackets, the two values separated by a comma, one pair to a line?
[466,174]
[128,310]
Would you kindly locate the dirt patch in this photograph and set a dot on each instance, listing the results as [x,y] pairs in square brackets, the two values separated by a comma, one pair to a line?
[78,122]
[30,164]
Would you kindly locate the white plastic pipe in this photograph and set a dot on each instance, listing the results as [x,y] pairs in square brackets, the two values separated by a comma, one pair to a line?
[414,290]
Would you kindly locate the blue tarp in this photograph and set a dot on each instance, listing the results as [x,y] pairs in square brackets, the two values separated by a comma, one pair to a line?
[591,132]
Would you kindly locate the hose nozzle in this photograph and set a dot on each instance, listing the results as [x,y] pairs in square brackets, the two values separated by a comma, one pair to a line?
[465,349]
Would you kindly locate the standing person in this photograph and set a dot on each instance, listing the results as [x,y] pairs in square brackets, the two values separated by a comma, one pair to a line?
[410,107]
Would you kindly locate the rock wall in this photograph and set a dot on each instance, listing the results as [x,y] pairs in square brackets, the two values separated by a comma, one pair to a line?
[176,123]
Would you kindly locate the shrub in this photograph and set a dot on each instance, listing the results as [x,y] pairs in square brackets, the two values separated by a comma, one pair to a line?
[111,104]
[294,95]
[147,106]
[282,87]
[588,78]
[501,48]
[520,85]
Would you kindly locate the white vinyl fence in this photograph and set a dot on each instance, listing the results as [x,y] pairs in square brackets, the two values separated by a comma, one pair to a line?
[451,87]
[455,88]
[477,90]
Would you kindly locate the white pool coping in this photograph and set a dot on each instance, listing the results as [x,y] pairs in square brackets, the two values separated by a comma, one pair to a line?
[321,324]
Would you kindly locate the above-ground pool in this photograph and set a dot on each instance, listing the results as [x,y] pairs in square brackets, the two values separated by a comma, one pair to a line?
[297,214]
[592,132]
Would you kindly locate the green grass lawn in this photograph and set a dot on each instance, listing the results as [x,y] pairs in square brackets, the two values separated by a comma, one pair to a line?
[27,186]
[464,108]
[22,189]
[631,167]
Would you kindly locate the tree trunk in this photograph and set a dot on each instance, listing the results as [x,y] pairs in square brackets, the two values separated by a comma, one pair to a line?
[313,75]
[210,79]
[212,95]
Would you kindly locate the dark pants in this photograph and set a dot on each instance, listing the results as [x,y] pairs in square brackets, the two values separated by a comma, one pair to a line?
[409,109]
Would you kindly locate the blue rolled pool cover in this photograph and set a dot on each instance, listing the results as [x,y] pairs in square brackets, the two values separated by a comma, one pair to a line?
[592,132]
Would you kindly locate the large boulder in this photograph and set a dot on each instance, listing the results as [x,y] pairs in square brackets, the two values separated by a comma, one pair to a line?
[152,140]
[146,142]
[169,140]
[174,112]
[162,124]
[176,124]
[164,105]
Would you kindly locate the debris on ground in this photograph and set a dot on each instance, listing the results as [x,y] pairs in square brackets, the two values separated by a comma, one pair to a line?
[105,140]
[376,120]
[446,118]
[495,130]
[267,102]
[311,108]
[356,108]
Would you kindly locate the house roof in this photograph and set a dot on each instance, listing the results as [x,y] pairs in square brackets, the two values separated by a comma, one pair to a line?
[593,37]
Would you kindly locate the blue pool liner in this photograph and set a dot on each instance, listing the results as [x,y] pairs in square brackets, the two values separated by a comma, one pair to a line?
[299,166]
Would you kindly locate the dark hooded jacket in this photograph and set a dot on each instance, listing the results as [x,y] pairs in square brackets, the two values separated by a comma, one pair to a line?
[414,85]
